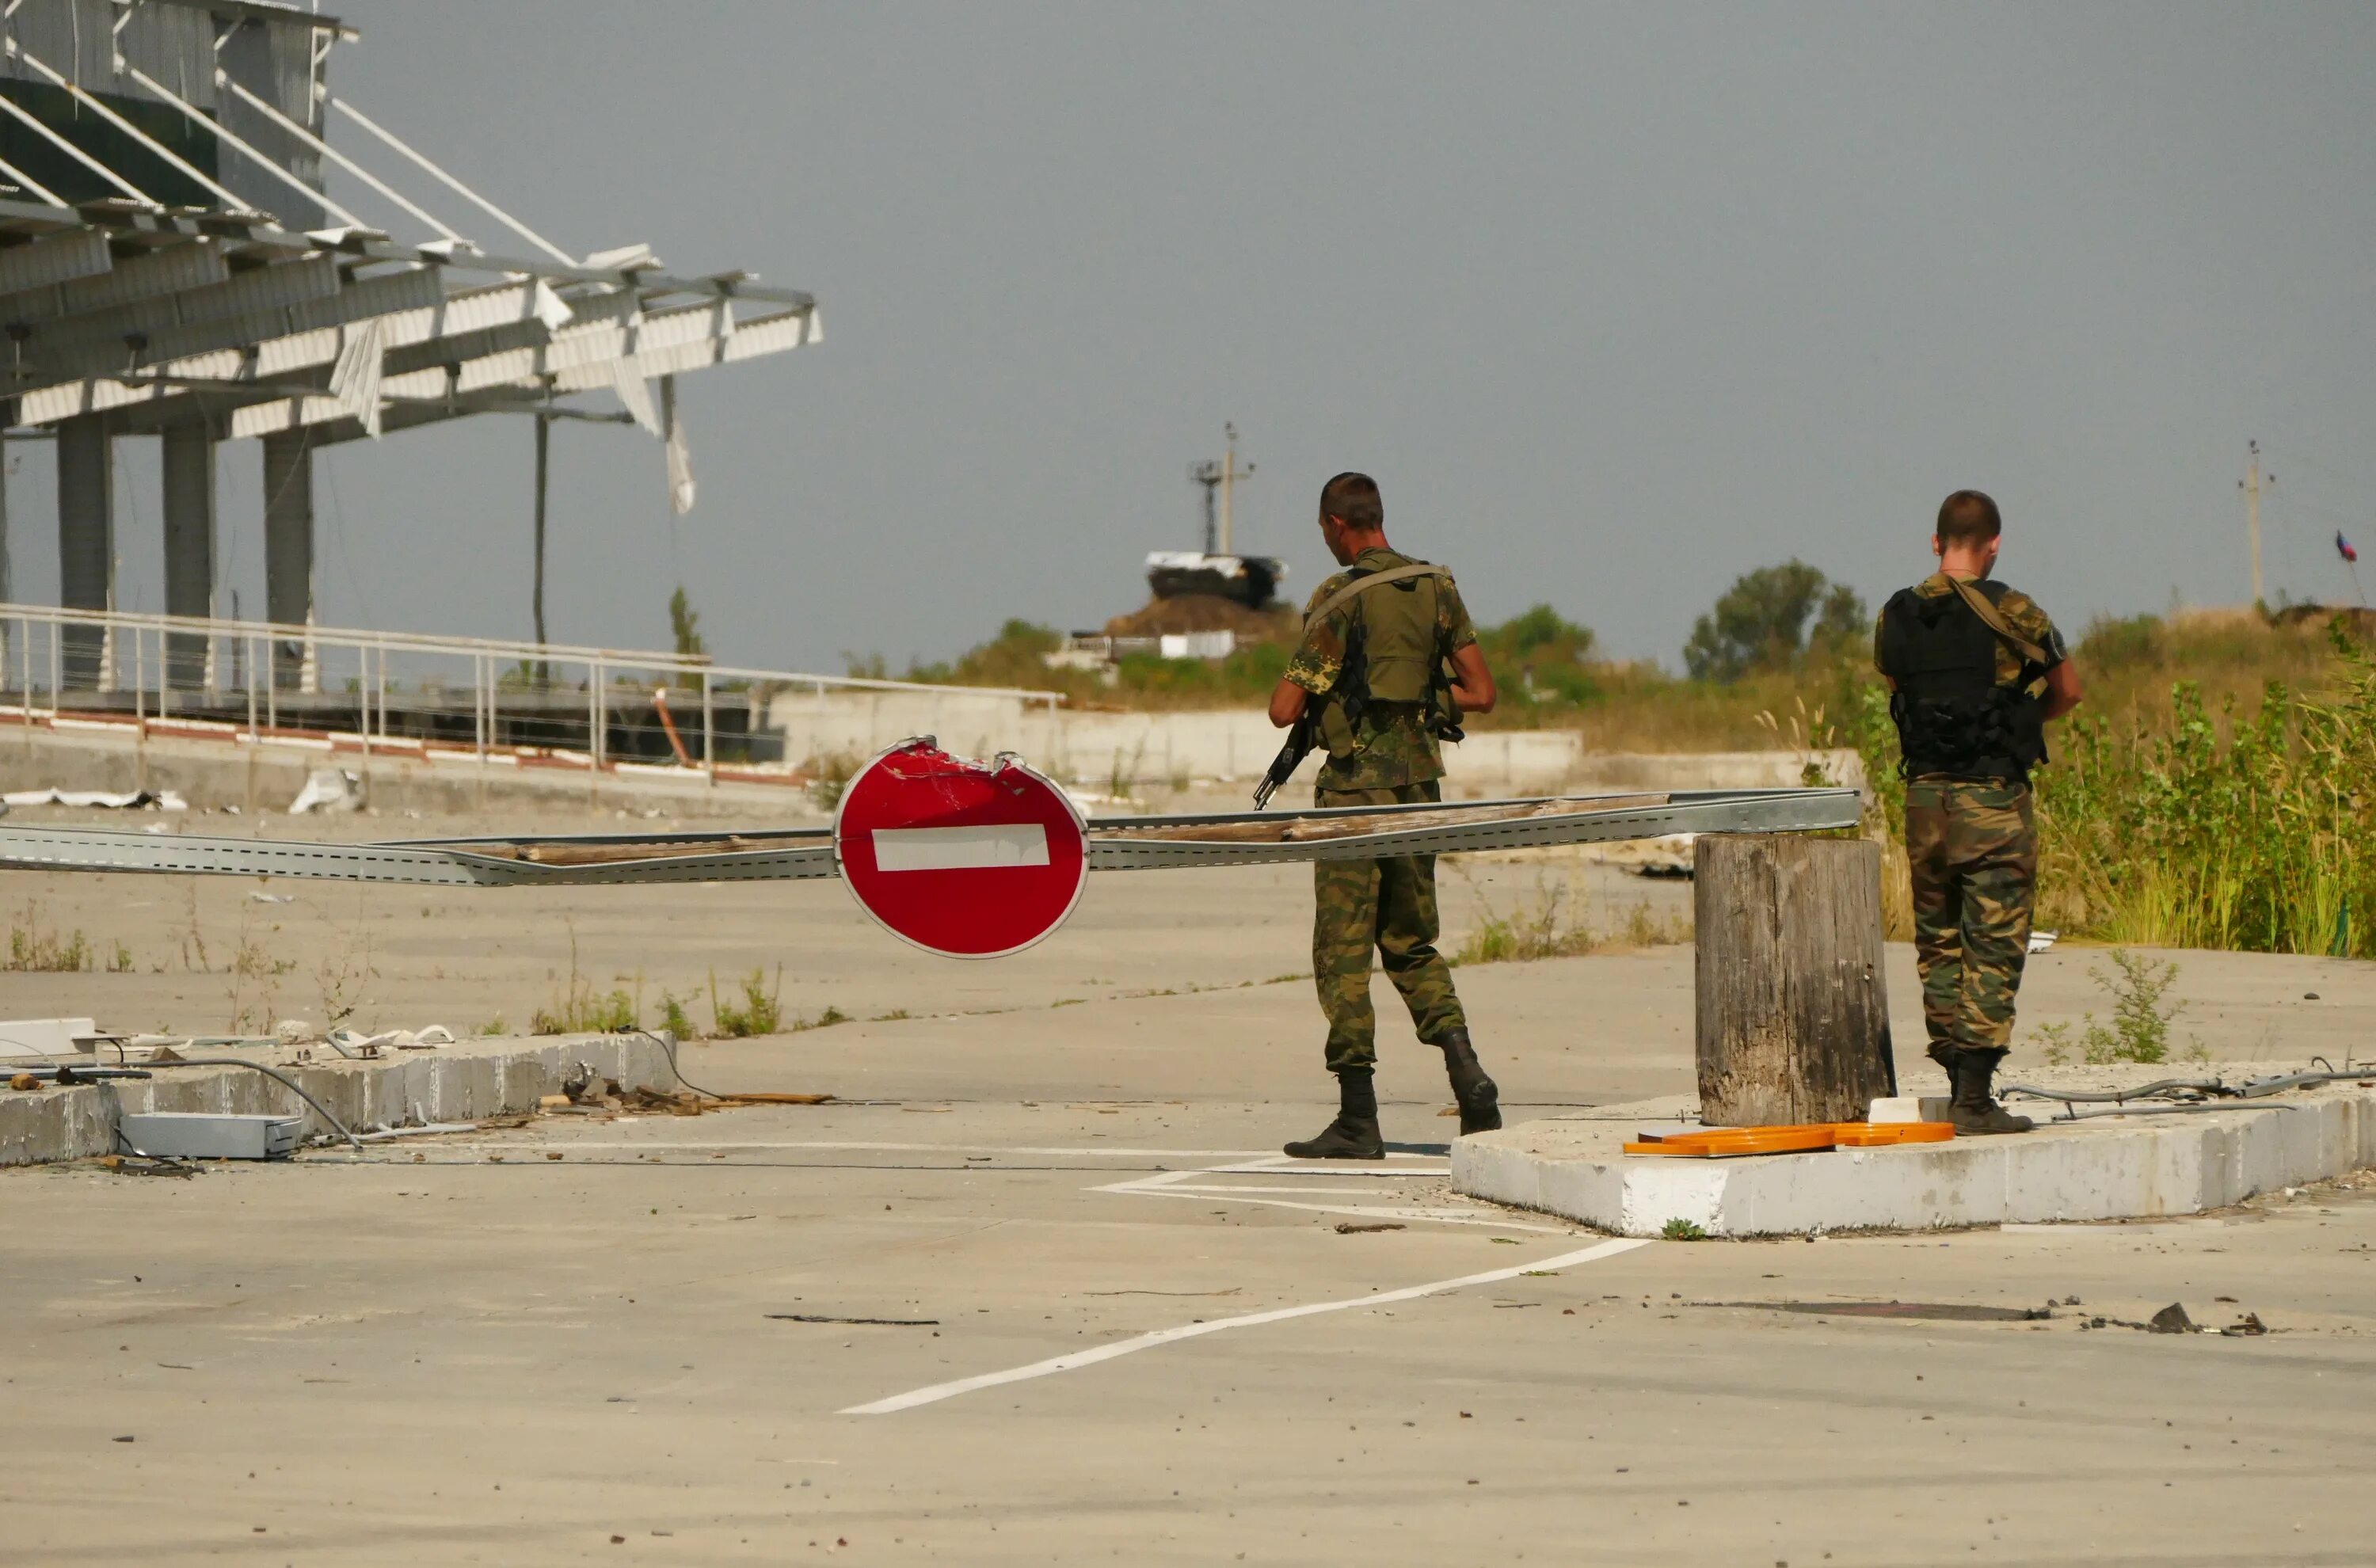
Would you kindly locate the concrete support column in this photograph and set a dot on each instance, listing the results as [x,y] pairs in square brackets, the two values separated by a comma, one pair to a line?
[287,545]
[189,484]
[85,538]
[11,671]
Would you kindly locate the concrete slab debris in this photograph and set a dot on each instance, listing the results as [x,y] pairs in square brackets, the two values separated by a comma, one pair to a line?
[459,1083]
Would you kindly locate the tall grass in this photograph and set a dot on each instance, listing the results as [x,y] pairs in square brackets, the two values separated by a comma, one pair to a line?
[2236,827]
[2247,830]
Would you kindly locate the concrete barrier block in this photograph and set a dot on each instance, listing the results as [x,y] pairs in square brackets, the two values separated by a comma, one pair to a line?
[2103,1167]
[1653,1192]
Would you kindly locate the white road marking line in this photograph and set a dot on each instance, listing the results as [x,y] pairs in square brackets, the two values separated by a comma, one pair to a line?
[1079,1358]
[1483,1217]
[961,849]
[1230,1188]
[660,1145]
[1188,1183]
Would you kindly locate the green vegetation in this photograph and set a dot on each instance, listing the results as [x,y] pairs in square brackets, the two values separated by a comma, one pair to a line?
[761,1012]
[32,950]
[1681,1229]
[580,1009]
[2222,828]
[2176,821]
[1761,622]
[684,624]
[1547,927]
[2140,1027]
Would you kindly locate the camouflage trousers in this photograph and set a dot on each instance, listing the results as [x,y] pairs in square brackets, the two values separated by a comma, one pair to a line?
[1972,846]
[1388,906]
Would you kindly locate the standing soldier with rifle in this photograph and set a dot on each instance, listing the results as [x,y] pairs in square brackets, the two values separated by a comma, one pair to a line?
[1975,672]
[1387,665]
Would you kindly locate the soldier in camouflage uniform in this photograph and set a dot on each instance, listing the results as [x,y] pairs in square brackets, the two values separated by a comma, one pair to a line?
[1975,670]
[1383,668]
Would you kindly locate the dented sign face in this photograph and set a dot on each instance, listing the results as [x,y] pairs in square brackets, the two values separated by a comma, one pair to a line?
[966,859]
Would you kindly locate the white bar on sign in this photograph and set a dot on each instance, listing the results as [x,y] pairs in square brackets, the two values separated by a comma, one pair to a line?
[961,849]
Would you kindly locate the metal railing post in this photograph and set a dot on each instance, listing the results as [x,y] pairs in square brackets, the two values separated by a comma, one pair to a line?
[594,715]
[250,644]
[709,732]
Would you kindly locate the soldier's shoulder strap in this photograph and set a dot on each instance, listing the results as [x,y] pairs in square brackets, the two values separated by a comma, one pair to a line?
[1365,581]
[1993,619]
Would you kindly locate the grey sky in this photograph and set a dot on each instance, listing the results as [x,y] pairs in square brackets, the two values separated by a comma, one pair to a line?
[1616,301]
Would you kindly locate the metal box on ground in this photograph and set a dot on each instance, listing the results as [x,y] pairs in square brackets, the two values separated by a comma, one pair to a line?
[208,1135]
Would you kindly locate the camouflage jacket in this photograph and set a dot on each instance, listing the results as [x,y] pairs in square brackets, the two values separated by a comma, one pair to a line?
[1393,745]
[2020,613]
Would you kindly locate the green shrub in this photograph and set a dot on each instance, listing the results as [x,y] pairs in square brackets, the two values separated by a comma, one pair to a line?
[761,1011]
[2139,1026]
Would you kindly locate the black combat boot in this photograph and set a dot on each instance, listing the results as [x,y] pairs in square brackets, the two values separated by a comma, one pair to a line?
[1354,1134]
[1480,1101]
[1974,1111]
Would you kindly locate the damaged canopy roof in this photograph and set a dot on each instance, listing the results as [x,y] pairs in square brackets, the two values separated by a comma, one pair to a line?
[169,252]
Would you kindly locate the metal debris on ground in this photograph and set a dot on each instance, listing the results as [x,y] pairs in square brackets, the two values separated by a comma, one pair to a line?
[1347,1228]
[1938,1312]
[874,1322]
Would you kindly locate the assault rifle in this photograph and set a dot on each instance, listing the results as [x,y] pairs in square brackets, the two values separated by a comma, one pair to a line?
[1302,736]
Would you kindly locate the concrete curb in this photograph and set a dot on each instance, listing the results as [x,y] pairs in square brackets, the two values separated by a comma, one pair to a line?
[455,1082]
[2110,1168]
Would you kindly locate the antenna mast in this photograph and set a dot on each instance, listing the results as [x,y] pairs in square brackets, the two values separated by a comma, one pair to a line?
[1219,477]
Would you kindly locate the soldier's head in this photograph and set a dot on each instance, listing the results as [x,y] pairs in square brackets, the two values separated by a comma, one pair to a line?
[1967,533]
[1353,517]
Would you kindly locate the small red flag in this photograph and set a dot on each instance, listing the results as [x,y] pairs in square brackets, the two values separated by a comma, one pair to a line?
[2343,548]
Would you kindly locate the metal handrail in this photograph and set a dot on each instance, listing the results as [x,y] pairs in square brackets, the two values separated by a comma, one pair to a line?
[432,642]
[166,662]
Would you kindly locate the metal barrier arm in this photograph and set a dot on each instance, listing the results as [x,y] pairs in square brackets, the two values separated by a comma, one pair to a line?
[790,854]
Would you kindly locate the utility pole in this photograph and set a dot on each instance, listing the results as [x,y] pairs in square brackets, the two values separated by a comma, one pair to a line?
[1220,475]
[2252,487]
[535,596]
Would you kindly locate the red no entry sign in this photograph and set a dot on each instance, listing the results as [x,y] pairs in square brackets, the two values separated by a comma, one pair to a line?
[966,858]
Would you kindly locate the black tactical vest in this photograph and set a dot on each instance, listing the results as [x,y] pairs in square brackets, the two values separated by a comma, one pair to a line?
[1953,716]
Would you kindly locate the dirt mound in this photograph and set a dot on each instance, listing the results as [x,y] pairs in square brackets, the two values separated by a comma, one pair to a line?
[1208,612]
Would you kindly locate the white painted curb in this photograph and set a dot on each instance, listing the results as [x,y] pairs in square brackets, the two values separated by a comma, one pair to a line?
[2100,1169]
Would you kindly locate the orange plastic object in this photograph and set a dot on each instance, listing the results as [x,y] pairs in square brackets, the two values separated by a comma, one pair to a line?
[1720,1143]
[1882,1134]
[1725,1143]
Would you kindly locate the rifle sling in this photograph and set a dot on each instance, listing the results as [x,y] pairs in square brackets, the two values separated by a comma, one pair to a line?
[1994,620]
[1361,585]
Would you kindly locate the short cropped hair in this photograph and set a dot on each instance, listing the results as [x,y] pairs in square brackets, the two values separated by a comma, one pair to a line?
[1969,518]
[1352,499]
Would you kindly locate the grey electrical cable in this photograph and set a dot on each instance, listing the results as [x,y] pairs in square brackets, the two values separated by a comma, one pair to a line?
[667,1043]
[2073,1113]
[2259,1086]
[2089,1096]
[290,1082]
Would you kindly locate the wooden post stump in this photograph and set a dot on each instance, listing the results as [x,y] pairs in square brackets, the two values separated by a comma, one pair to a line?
[1792,1007]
